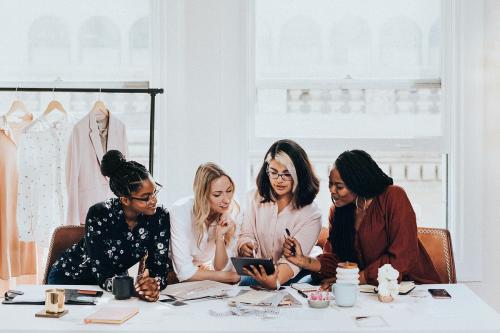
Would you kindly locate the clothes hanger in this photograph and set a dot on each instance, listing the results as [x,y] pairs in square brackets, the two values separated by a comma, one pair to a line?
[99,106]
[54,105]
[18,105]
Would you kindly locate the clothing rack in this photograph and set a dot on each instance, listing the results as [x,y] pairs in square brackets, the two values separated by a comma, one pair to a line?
[151,91]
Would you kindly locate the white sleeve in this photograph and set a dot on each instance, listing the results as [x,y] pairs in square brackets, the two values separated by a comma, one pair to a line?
[181,235]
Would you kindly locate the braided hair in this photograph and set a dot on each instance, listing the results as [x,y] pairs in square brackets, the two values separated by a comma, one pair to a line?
[125,177]
[362,175]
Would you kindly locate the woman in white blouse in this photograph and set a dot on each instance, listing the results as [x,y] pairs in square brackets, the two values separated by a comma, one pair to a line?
[204,228]
[282,204]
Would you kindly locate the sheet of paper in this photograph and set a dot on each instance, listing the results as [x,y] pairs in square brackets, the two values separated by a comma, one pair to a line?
[196,289]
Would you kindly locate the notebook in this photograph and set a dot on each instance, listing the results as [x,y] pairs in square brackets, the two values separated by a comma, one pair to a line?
[196,290]
[405,287]
[111,315]
[304,287]
[265,298]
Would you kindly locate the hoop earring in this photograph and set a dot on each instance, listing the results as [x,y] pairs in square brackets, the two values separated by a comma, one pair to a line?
[356,201]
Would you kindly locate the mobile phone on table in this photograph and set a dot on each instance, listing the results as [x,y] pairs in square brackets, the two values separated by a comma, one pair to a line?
[439,293]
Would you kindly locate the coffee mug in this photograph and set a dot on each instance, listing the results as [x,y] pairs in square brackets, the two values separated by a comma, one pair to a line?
[346,294]
[54,300]
[123,286]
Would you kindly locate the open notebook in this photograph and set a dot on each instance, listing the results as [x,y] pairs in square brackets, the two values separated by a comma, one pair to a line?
[405,287]
[111,315]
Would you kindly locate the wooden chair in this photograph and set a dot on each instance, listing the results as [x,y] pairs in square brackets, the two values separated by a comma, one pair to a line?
[437,243]
[62,238]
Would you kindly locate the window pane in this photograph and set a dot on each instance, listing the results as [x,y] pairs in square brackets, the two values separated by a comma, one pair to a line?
[335,113]
[93,40]
[337,38]
[338,69]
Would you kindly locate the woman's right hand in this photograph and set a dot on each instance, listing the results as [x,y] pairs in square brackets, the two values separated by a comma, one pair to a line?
[293,251]
[247,249]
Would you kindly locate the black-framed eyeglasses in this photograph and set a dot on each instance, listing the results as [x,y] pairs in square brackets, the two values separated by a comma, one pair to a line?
[286,176]
[158,188]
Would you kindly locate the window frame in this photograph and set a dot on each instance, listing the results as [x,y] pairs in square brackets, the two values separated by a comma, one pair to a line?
[460,92]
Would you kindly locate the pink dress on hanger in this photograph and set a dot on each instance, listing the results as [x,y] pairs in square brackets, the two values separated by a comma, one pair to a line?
[16,257]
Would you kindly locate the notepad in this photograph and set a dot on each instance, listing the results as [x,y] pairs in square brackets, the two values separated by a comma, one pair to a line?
[405,287]
[111,315]
[304,287]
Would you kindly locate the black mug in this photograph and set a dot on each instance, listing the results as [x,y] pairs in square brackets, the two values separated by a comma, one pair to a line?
[123,286]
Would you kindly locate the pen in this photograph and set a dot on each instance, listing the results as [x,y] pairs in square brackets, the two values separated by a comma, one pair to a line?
[303,294]
[293,248]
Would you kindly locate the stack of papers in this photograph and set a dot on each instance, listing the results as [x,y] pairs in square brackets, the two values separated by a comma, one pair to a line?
[186,291]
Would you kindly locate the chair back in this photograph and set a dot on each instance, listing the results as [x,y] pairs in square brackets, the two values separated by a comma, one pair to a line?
[437,243]
[62,238]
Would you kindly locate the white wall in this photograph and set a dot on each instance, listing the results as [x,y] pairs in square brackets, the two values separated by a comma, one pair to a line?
[204,109]
[489,288]
[202,61]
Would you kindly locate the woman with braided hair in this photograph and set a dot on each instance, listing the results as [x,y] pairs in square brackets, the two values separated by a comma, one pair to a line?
[119,232]
[372,223]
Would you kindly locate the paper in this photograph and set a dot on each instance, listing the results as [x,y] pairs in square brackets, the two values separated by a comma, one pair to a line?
[404,288]
[196,290]
[304,287]
[265,298]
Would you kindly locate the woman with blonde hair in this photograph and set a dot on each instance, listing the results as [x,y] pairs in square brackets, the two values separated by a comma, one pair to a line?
[204,228]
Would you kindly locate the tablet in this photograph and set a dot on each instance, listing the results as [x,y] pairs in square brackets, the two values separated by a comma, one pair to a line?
[240,262]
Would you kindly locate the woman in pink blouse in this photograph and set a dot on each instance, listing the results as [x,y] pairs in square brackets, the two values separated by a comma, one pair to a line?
[286,189]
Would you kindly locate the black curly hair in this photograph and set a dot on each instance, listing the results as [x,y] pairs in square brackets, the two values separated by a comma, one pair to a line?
[125,177]
[362,175]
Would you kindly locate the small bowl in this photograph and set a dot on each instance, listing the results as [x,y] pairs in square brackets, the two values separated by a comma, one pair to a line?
[318,304]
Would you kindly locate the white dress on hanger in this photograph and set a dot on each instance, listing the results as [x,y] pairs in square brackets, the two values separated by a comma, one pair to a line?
[42,199]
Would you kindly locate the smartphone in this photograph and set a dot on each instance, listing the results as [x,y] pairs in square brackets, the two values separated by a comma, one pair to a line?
[439,293]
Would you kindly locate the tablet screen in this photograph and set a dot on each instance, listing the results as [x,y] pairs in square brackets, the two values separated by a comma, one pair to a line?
[240,262]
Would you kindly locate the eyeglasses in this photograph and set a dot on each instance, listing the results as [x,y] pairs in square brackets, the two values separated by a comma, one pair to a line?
[158,188]
[275,175]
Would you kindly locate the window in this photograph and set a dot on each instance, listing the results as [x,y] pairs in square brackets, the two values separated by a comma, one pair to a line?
[338,75]
[96,43]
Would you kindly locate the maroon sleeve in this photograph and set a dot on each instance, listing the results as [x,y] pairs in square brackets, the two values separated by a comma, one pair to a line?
[328,259]
[402,250]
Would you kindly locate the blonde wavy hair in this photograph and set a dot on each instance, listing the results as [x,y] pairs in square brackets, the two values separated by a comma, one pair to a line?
[205,175]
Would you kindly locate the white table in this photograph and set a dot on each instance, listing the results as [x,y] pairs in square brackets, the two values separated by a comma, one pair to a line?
[465,312]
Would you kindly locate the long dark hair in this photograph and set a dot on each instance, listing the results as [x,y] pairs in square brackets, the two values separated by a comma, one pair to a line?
[125,177]
[362,175]
[306,183]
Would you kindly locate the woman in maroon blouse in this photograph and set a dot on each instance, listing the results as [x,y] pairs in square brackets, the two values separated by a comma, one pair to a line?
[372,223]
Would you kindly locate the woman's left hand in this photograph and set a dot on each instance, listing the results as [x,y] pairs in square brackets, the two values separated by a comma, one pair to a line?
[148,288]
[224,225]
[260,275]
